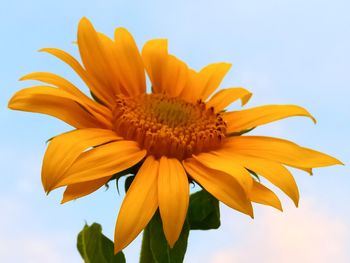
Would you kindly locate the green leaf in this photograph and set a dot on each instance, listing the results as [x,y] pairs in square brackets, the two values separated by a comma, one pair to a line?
[155,247]
[203,212]
[94,247]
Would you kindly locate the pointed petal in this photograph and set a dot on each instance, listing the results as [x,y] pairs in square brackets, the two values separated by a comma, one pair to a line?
[55,80]
[139,205]
[99,111]
[105,160]
[54,102]
[279,150]
[110,51]
[96,61]
[272,171]
[211,77]
[250,118]
[224,164]
[131,67]
[225,97]
[102,94]
[308,170]
[263,195]
[175,76]
[200,85]
[221,185]
[173,197]
[193,87]
[64,149]
[75,191]
[154,55]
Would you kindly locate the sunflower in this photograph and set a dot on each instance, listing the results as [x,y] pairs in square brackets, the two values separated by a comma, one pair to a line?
[176,134]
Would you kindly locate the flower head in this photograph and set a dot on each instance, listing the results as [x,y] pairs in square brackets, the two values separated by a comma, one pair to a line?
[176,134]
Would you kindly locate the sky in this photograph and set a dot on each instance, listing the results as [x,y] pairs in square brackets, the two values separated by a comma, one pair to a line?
[293,52]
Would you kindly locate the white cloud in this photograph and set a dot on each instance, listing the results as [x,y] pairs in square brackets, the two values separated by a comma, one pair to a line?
[298,235]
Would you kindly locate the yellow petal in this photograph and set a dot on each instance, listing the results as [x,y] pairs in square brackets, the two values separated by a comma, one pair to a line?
[109,50]
[139,205]
[154,55]
[263,195]
[200,85]
[308,170]
[55,80]
[250,118]
[104,95]
[221,185]
[95,59]
[102,161]
[225,97]
[76,191]
[272,171]
[64,149]
[279,150]
[211,77]
[99,111]
[54,102]
[175,76]
[224,164]
[173,197]
[131,67]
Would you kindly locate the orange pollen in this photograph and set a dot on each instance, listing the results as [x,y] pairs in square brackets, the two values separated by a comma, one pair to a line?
[168,126]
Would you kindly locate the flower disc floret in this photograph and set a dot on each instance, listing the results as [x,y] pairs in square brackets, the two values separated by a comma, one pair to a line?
[168,126]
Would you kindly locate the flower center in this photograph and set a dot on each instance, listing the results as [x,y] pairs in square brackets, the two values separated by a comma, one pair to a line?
[168,126]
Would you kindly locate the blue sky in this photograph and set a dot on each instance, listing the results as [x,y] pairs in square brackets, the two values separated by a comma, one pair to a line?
[294,52]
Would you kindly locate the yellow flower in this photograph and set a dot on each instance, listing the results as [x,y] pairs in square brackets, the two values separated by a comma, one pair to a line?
[177,133]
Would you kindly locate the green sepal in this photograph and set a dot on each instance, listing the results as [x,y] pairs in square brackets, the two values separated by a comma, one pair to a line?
[240,132]
[94,247]
[203,211]
[130,171]
[255,176]
[96,98]
[128,182]
[155,247]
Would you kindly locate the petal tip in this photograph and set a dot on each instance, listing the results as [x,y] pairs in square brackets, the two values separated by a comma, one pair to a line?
[171,241]
[279,207]
[26,77]
[296,202]
[117,248]
[122,30]
[84,19]
[250,210]
[313,119]
[246,98]
[85,23]
[64,200]
[226,64]
[339,162]
[10,104]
